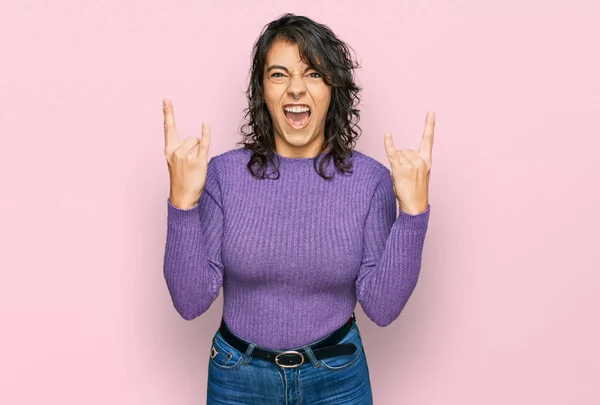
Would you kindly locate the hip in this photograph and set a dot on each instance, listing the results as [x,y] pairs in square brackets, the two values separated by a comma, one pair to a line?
[236,377]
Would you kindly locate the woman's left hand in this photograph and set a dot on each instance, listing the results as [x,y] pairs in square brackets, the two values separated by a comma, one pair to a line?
[410,170]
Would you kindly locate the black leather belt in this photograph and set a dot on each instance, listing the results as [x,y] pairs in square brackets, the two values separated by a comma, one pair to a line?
[329,347]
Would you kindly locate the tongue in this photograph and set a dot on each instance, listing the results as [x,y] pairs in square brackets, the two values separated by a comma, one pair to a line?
[298,119]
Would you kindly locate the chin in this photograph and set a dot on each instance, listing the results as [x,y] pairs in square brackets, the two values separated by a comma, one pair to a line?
[298,138]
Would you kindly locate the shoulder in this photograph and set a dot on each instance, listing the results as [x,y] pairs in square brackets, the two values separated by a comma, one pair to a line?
[222,169]
[370,167]
[227,160]
[376,179]
[231,156]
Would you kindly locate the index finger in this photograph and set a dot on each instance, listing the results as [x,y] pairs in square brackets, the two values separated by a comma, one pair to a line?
[171,137]
[427,141]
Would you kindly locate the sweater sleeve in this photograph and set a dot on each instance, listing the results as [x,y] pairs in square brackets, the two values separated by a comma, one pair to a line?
[192,265]
[392,255]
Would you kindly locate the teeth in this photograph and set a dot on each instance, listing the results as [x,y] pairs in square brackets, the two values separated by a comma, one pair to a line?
[296,109]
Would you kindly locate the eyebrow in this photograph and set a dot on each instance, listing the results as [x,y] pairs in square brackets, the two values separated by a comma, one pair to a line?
[286,69]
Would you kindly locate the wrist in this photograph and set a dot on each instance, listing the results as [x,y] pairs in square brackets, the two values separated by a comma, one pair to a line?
[413,209]
[182,202]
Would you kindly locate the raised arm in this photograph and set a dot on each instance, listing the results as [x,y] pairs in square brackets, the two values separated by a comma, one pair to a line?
[391,257]
[192,265]
[393,246]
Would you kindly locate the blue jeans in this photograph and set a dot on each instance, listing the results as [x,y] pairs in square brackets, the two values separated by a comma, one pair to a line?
[236,378]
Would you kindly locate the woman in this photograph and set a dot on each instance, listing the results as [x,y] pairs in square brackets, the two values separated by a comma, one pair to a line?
[296,226]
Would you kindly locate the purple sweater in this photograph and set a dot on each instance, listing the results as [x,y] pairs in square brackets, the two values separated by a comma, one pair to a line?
[293,254]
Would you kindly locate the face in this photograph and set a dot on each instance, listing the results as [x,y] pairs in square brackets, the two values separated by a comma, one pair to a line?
[298,133]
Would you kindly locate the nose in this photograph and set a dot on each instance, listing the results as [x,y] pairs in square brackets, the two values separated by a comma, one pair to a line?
[297,87]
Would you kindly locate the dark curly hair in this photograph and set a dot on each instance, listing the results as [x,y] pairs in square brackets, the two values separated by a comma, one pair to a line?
[320,49]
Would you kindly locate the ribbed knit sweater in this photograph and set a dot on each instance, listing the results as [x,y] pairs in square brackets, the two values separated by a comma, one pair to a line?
[293,254]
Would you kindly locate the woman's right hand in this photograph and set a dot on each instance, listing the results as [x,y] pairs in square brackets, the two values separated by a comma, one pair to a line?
[187,161]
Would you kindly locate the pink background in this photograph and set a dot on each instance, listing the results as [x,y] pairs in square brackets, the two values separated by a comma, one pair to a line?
[507,307]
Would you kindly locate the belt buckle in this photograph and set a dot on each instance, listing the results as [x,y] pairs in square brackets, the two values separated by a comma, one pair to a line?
[289,352]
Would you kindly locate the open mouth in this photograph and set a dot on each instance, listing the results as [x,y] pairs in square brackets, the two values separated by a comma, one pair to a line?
[297,116]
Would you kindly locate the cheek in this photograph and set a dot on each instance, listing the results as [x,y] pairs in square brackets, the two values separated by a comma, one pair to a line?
[323,103]
[269,92]
[272,99]
[322,95]
[272,112]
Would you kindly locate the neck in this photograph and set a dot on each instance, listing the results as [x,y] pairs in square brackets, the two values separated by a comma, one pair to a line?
[306,151]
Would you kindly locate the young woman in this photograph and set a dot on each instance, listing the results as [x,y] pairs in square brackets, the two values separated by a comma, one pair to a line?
[296,226]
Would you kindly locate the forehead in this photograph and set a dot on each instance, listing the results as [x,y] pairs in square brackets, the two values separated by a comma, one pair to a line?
[285,54]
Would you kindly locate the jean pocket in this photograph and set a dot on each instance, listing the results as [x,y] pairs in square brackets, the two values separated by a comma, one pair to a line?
[223,355]
[346,360]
